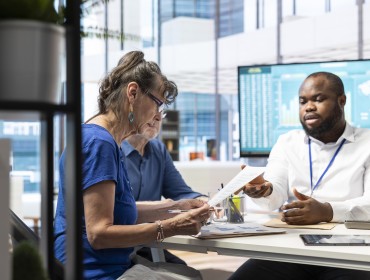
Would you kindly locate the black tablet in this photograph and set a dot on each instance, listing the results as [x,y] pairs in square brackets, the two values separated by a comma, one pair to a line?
[335,240]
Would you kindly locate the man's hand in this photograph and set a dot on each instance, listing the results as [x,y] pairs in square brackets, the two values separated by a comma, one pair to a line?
[306,211]
[257,188]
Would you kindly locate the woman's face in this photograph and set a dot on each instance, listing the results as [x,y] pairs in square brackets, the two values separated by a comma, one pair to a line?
[149,113]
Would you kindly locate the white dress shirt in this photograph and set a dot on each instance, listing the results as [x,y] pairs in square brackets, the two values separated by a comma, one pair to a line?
[346,184]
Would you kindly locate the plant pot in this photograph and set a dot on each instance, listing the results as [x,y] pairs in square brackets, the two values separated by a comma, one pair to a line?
[31,54]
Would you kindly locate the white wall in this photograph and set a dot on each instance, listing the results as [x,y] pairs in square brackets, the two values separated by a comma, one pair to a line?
[182,30]
[254,47]
[332,30]
[4,208]
[16,192]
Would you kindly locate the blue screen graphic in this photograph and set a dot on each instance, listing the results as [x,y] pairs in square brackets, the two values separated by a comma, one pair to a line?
[268,99]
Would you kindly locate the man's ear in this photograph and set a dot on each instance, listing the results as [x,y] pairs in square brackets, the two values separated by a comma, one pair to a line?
[131,91]
[342,100]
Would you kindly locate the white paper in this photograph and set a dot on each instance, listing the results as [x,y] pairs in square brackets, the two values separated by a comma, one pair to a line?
[215,230]
[243,177]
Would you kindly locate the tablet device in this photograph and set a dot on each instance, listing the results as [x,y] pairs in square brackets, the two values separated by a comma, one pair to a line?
[335,240]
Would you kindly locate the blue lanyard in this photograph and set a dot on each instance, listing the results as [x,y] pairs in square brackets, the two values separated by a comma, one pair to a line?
[326,169]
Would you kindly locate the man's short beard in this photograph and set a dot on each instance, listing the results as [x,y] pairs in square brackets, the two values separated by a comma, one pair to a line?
[326,125]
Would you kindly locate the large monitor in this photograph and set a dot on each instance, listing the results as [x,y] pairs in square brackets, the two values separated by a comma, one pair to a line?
[268,99]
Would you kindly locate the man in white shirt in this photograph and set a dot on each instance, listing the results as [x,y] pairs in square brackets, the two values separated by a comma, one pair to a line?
[321,173]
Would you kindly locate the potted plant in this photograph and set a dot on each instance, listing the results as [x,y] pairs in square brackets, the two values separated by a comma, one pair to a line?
[31,51]
[27,263]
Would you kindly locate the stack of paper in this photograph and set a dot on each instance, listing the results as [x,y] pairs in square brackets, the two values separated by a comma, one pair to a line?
[219,230]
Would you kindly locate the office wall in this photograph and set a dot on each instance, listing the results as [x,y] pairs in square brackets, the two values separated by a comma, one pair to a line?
[336,30]
[5,148]
[183,30]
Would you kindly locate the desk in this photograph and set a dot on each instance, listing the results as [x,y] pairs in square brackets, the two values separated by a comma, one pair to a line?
[286,247]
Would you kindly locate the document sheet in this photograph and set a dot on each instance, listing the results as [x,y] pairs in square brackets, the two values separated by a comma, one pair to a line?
[220,230]
[243,177]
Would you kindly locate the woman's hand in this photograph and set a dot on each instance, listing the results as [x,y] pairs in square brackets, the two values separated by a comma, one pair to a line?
[188,223]
[187,204]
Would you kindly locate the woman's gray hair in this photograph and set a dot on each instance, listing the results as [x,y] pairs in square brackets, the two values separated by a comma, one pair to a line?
[132,67]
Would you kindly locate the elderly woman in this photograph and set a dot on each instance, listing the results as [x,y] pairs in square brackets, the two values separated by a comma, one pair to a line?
[131,97]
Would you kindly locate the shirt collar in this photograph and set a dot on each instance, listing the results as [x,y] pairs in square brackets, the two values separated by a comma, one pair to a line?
[348,134]
[128,149]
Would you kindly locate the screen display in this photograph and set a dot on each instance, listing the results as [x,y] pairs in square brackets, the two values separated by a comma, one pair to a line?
[269,102]
[335,240]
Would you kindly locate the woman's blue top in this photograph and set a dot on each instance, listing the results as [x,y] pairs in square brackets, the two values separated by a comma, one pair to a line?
[102,160]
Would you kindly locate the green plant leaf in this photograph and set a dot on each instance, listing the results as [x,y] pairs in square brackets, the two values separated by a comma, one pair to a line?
[27,262]
[42,10]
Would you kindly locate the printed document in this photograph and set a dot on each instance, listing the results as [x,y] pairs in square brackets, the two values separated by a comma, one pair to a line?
[221,230]
[243,177]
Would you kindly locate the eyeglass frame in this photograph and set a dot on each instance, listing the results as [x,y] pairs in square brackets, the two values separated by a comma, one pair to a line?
[160,104]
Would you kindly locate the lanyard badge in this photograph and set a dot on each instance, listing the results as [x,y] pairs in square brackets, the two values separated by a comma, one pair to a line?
[326,169]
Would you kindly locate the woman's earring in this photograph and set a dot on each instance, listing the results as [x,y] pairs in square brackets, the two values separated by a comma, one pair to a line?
[131,114]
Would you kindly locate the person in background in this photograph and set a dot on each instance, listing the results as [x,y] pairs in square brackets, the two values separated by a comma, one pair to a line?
[322,173]
[152,174]
[151,170]
[131,97]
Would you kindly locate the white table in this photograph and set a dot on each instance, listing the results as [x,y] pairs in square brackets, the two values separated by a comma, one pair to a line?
[287,247]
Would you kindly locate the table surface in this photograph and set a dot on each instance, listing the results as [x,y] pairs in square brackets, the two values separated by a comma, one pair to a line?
[286,247]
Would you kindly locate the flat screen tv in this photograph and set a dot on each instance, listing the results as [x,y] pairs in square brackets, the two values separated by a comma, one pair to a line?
[268,99]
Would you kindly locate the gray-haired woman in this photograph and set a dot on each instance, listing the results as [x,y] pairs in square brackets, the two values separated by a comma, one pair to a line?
[131,98]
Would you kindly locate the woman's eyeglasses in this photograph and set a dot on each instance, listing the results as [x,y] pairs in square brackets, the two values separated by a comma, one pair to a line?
[160,104]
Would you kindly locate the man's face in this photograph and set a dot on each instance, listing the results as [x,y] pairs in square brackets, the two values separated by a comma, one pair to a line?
[320,108]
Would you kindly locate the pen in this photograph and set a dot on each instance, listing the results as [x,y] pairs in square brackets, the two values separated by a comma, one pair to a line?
[178,211]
